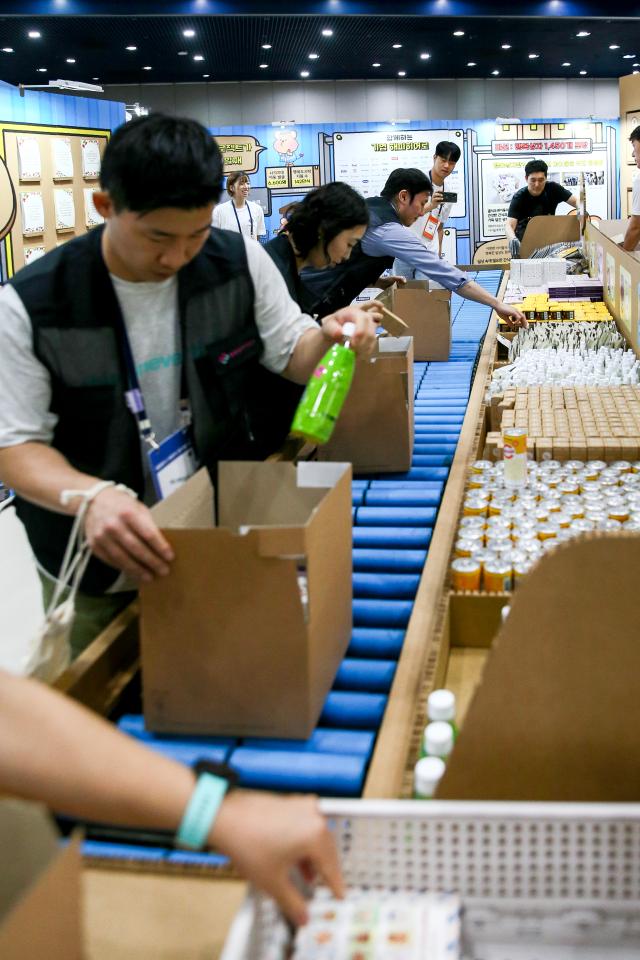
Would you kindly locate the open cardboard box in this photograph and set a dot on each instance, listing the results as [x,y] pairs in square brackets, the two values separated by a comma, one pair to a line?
[228,644]
[426,312]
[376,426]
[40,896]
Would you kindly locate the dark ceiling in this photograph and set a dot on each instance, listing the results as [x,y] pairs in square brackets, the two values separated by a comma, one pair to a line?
[231,47]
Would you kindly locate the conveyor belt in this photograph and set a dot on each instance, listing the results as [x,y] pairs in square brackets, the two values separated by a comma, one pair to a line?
[393,518]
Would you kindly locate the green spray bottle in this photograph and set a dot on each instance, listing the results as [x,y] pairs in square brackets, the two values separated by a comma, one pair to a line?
[326,392]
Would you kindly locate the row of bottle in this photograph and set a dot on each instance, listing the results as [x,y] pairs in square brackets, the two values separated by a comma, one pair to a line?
[437,743]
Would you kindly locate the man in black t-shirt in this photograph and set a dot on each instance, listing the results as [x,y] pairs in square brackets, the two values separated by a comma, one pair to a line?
[540,197]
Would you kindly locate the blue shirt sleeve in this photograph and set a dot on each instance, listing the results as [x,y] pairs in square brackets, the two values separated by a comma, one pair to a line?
[395,240]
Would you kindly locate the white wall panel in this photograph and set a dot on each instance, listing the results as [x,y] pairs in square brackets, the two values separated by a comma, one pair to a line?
[470,99]
[225,103]
[580,98]
[498,98]
[441,100]
[553,94]
[527,100]
[606,99]
[192,100]
[411,96]
[256,103]
[351,102]
[382,100]
[288,102]
[319,101]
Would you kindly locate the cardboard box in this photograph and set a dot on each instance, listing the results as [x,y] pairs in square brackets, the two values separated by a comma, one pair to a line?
[40,898]
[228,644]
[428,314]
[375,429]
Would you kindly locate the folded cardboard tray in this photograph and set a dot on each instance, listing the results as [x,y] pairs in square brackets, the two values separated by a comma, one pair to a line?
[427,314]
[229,643]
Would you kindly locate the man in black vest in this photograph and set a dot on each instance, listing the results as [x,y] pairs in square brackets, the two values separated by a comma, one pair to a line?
[144,333]
[387,238]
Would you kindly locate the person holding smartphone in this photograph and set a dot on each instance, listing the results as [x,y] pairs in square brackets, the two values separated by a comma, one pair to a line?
[430,226]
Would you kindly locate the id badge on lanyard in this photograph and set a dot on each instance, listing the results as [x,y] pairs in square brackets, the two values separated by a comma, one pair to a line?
[430,227]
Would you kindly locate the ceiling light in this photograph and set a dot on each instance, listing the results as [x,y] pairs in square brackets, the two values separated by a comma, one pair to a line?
[583,33]
[304,73]
[34,34]
[396,46]
[313,56]
[188,33]
[95,78]
[327,33]
[183,53]
[147,68]
[131,48]
[425,56]
[42,69]
[566,64]
[635,64]
[614,46]
[628,56]
[533,56]
[266,46]
[263,66]
[7,49]
[495,73]
[582,73]
[205,75]
[402,73]
[506,46]
[458,33]
[70,60]
[198,57]
[635,71]
[472,63]
[375,64]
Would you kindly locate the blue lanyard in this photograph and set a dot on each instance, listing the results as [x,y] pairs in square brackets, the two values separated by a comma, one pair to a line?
[238,218]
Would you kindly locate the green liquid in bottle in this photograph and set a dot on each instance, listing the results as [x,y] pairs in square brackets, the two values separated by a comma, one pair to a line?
[324,395]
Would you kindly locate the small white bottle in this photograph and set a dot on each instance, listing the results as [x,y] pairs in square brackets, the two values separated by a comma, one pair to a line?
[426,777]
[437,740]
[441,705]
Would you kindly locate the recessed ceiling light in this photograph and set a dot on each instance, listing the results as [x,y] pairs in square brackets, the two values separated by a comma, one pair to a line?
[42,69]
[188,33]
[402,73]
[566,64]
[95,78]
[458,33]
[327,33]
[472,63]
[583,33]
[206,75]
[425,56]
[582,73]
[396,46]
[628,56]
[375,64]
[183,53]
[304,73]
[506,46]
[7,49]
[70,60]
[635,64]
[131,48]
[614,46]
[533,56]
[34,34]
[313,56]
[263,66]
[147,68]
[266,46]
[198,57]
[495,73]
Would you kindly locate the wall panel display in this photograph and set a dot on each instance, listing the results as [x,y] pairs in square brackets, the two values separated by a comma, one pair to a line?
[50,168]
[286,162]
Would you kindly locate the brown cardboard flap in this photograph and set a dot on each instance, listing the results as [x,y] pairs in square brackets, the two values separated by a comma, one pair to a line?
[190,506]
[557,715]
[45,924]
[278,541]
[250,495]
[414,285]
[391,322]
[541,231]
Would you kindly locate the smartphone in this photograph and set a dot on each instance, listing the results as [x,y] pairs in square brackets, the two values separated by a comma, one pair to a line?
[449,197]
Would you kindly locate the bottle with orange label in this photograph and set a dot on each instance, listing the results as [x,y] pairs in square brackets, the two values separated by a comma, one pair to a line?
[515,456]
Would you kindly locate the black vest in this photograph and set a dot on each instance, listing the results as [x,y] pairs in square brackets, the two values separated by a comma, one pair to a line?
[72,305]
[339,286]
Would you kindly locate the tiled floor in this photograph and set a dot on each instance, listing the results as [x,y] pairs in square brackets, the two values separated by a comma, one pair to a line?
[20,597]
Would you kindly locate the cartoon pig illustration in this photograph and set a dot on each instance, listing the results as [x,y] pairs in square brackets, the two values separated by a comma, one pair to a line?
[287,146]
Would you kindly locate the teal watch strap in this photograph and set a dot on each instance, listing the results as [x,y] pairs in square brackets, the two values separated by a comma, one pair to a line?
[202,810]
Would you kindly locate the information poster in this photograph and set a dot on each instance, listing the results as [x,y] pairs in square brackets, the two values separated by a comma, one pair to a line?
[91,216]
[33,253]
[62,158]
[29,162]
[91,160]
[611,279]
[32,211]
[365,160]
[625,299]
[65,209]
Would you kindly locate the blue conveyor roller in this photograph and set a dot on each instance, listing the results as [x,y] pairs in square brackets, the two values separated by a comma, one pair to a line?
[328,773]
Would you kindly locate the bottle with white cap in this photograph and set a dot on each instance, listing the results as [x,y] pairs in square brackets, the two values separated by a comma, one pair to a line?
[437,740]
[326,391]
[441,706]
[427,774]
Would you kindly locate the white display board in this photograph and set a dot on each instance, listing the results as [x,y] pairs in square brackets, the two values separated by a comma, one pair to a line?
[365,160]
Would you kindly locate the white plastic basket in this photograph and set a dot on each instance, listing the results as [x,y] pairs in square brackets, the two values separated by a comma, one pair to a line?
[538,881]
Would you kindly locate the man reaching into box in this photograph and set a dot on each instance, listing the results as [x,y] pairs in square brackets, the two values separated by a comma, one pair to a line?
[130,357]
[389,237]
[632,236]
[539,198]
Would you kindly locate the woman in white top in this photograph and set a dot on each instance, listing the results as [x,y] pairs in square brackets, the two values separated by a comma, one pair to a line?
[239,213]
